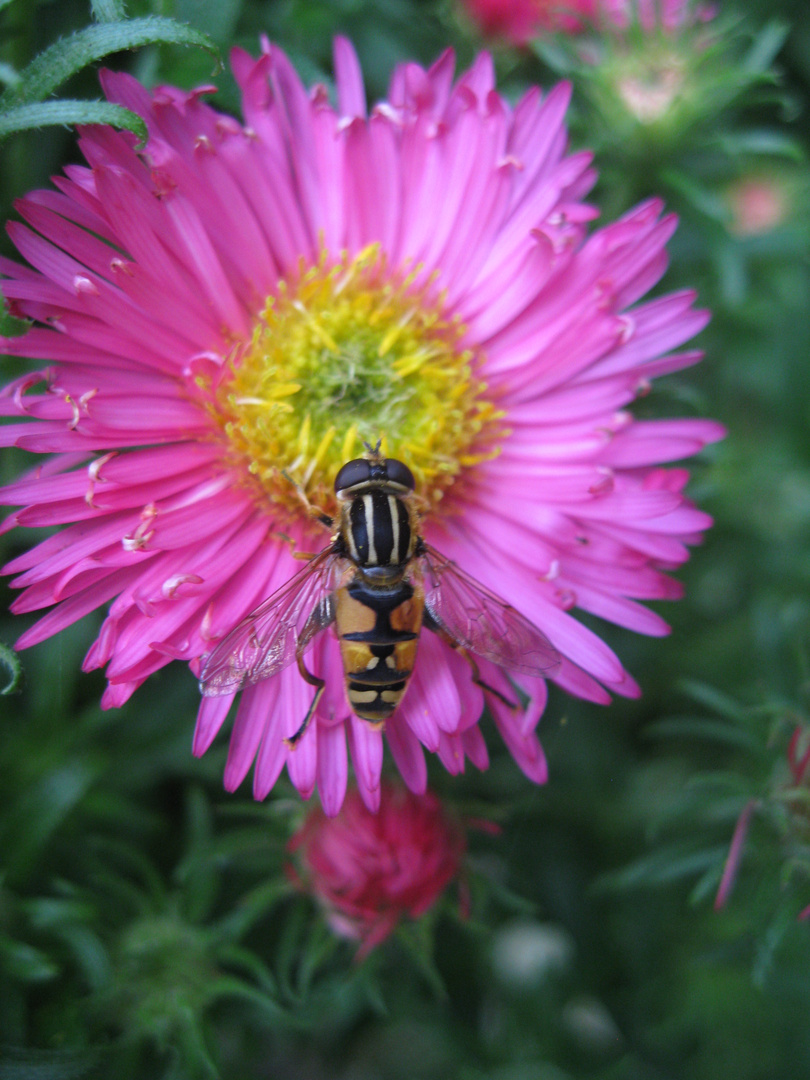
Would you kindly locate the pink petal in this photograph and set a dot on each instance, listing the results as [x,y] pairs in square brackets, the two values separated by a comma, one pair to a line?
[349,79]
[407,753]
[332,767]
[210,717]
[248,728]
[366,746]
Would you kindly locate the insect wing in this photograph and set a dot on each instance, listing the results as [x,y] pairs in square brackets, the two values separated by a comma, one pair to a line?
[265,641]
[482,622]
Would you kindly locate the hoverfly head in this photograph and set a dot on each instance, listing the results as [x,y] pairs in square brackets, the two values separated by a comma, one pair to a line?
[374,472]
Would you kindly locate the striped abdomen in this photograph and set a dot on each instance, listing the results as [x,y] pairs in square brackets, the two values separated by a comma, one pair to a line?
[378,629]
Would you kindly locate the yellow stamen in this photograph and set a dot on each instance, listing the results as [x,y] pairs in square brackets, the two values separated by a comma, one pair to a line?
[349,440]
[348,351]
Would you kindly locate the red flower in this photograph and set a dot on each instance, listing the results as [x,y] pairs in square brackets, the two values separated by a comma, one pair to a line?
[370,870]
[519,20]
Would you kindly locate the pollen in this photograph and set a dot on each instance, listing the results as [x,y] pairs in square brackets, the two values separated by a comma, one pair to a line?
[349,351]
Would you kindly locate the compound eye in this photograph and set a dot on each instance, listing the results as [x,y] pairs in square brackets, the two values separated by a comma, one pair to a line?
[398,473]
[353,473]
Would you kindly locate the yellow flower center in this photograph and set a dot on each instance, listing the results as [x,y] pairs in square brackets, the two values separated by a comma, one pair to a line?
[349,352]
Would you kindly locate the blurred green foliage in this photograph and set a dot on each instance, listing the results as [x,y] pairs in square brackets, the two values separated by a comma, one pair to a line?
[147,928]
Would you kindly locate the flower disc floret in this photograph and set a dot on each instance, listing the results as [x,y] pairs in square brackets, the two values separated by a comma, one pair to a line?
[350,351]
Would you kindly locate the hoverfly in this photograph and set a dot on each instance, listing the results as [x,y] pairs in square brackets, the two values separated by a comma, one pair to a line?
[380,585]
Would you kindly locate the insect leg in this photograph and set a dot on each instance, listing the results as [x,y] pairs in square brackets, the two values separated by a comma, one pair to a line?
[321,617]
[307,556]
[431,624]
[476,678]
[313,511]
[317,682]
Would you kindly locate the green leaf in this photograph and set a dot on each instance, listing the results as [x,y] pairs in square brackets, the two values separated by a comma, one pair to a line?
[417,937]
[321,944]
[10,326]
[783,919]
[244,960]
[700,197]
[722,785]
[198,873]
[105,11]
[129,873]
[71,111]
[662,867]
[797,797]
[229,987]
[764,50]
[23,1063]
[689,727]
[11,662]
[9,75]
[197,1059]
[219,18]
[760,141]
[706,886]
[552,52]
[42,810]
[254,905]
[68,56]
[732,273]
[713,699]
[510,900]
[89,953]
[21,961]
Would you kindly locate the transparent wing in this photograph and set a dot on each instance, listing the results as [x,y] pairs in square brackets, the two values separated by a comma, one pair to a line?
[265,641]
[481,621]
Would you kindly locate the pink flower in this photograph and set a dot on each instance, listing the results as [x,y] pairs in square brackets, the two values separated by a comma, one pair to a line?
[518,21]
[368,870]
[237,304]
[653,15]
[758,204]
